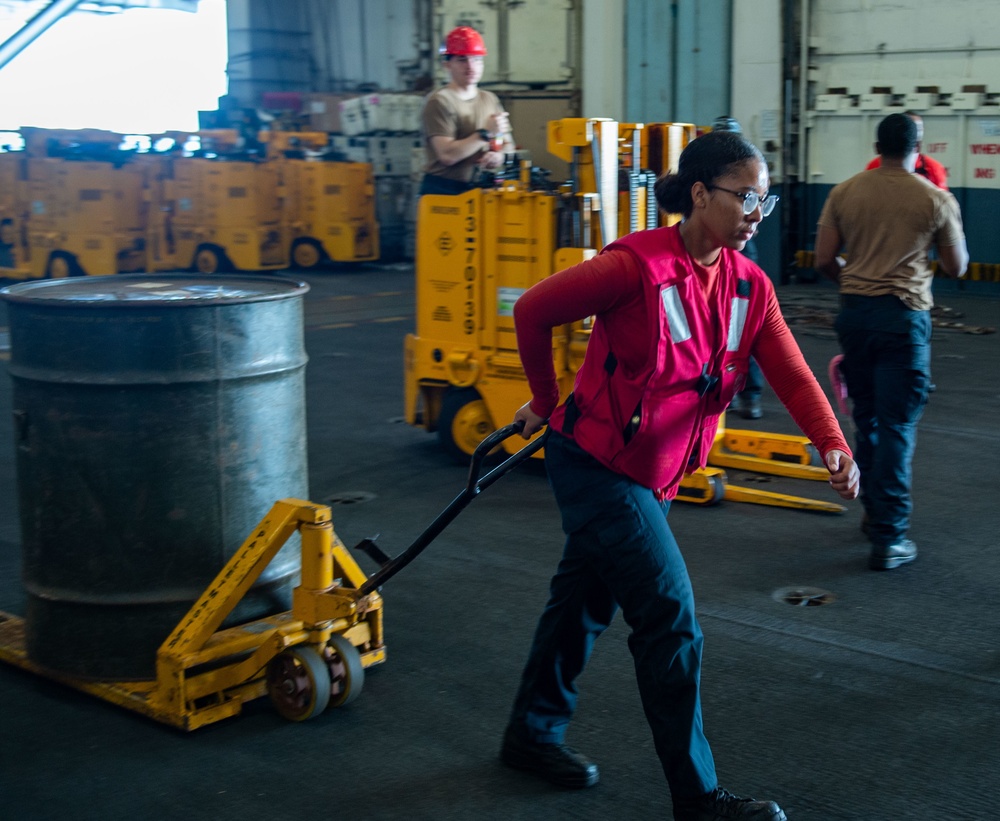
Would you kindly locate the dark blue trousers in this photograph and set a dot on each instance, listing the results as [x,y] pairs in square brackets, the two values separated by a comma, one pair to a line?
[619,552]
[887,368]
[433,184]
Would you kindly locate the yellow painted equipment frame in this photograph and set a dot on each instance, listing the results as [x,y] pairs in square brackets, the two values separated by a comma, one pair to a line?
[15,206]
[307,658]
[774,454]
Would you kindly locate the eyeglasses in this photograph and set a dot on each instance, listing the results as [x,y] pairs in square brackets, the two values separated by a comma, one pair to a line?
[751,199]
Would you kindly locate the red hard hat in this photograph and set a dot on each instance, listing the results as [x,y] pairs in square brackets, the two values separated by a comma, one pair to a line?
[464,41]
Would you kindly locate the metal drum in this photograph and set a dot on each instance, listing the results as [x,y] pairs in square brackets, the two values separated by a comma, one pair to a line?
[156,420]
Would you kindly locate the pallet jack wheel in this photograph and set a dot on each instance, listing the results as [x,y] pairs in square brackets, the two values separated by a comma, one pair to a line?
[298,682]
[718,490]
[347,674]
[464,423]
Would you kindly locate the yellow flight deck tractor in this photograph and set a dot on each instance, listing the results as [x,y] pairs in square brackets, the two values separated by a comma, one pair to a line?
[293,203]
[88,204]
[329,203]
[14,208]
[98,209]
[225,209]
[477,252]
[306,659]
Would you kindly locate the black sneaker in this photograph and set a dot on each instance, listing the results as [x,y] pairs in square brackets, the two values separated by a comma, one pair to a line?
[720,805]
[556,763]
[889,556]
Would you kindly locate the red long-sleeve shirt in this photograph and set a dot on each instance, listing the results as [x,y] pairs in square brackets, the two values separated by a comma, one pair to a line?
[610,285]
[926,167]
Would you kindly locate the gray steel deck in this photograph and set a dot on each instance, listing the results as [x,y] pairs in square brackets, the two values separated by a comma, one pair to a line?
[880,705]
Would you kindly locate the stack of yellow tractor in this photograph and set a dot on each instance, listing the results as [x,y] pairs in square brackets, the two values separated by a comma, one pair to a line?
[74,203]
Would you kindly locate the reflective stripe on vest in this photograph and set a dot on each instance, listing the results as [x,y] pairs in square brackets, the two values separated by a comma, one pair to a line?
[737,321]
[680,330]
[653,423]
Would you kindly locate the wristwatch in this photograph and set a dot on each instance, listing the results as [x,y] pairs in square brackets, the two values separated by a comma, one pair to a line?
[484,134]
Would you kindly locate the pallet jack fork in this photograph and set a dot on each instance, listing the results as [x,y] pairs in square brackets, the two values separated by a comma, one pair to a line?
[775,454]
[305,659]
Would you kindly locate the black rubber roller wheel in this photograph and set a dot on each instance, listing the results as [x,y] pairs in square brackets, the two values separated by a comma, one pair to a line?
[298,683]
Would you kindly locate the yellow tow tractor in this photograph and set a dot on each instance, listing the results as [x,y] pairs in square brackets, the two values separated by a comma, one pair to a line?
[306,659]
[15,206]
[329,204]
[477,252]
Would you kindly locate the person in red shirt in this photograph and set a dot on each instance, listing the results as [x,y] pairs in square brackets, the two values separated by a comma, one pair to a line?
[677,313]
[926,166]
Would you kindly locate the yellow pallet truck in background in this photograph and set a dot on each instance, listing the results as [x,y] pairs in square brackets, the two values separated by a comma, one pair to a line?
[306,659]
[477,252]
[774,454]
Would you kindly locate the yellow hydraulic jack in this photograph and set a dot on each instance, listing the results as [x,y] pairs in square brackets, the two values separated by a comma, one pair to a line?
[306,659]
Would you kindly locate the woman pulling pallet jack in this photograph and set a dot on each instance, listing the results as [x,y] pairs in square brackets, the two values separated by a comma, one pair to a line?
[678,313]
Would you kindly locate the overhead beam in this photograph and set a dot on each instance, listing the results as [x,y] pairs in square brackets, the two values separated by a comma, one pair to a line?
[36,26]
[58,9]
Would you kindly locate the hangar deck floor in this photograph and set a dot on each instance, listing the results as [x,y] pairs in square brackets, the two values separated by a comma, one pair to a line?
[882,704]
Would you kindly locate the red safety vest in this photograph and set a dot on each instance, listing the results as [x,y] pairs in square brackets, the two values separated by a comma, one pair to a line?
[655,425]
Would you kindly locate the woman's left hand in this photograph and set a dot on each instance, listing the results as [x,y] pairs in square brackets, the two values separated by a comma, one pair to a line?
[845,478]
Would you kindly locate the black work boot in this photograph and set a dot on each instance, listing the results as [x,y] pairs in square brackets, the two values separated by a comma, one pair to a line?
[886,557]
[721,805]
[556,763]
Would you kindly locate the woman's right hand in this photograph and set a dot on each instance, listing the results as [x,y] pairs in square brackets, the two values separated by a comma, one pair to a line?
[532,421]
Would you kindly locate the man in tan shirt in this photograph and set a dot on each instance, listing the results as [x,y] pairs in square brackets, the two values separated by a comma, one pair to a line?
[888,219]
[465,127]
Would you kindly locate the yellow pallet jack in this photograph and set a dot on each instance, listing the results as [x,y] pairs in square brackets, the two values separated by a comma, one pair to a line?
[775,454]
[306,659]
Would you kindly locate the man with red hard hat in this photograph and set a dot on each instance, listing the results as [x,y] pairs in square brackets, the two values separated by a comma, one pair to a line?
[465,127]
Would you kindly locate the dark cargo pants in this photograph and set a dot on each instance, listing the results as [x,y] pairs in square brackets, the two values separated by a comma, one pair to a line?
[619,551]
[887,356]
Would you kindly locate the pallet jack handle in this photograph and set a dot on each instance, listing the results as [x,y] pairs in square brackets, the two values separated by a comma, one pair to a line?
[476,484]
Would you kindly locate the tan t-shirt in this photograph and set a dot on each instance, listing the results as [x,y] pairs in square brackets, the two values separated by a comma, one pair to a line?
[889,219]
[446,115]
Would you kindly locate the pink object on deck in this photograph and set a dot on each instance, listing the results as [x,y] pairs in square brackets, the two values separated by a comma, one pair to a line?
[838,385]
